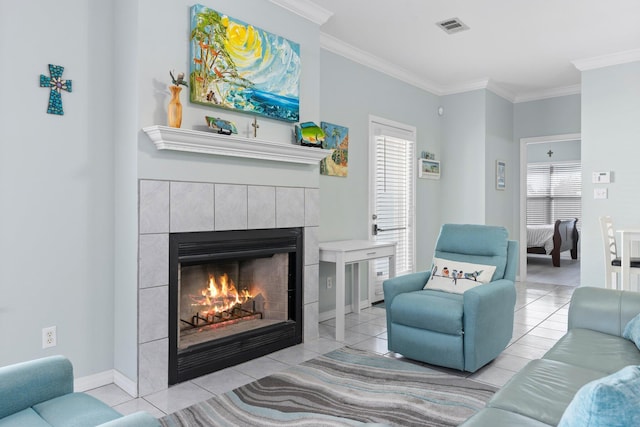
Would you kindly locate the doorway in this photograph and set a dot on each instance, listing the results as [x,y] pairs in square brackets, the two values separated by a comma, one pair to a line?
[392,182]
[550,189]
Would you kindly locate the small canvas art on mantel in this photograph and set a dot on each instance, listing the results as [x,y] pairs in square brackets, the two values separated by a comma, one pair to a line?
[337,139]
[237,66]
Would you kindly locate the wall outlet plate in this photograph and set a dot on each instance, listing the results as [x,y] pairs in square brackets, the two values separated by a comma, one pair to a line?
[49,337]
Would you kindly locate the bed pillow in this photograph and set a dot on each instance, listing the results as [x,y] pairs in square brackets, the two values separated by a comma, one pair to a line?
[606,402]
[632,331]
[457,276]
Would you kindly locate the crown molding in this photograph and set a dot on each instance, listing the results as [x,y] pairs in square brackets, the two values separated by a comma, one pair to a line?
[307,9]
[352,53]
[465,87]
[341,48]
[607,60]
[549,93]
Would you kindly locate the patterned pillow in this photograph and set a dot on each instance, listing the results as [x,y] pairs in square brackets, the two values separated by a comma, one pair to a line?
[457,276]
[632,331]
[606,402]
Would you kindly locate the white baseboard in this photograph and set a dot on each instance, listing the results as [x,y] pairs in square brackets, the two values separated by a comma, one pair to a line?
[93,381]
[125,383]
[105,378]
[326,315]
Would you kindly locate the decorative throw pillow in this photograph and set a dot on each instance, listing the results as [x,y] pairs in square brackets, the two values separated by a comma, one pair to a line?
[457,276]
[632,331]
[611,401]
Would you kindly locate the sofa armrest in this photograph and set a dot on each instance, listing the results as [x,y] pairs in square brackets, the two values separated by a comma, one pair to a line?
[603,310]
[402,284]
[488,321]
[138,419]
[28,383]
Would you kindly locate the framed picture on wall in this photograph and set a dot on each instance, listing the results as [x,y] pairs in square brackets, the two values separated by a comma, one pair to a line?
[501,181]
[428,168]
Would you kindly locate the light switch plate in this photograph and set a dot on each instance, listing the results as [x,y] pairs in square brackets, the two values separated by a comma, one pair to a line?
[600,193]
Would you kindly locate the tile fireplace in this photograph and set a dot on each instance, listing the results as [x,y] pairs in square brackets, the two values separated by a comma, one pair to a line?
[189,213]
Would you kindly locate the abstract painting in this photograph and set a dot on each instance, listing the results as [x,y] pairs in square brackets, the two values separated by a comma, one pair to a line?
[336,138]
[240,67]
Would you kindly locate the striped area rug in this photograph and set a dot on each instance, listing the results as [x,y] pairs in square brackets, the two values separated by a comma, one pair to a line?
[346,387]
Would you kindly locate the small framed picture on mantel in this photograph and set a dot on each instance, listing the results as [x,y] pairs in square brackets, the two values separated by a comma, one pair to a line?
[501,180]
[429,168]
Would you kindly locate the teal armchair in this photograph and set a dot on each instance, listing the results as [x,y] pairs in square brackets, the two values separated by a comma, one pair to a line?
[39,393]
[460,331]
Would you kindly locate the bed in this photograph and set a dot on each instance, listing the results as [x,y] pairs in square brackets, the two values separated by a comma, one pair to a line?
[552,239]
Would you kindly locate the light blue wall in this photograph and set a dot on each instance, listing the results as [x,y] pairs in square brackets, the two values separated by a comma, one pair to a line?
[562,152]
[552,116]
[501,207]
[56,184]
[350,93]
[610,142]
[462,197]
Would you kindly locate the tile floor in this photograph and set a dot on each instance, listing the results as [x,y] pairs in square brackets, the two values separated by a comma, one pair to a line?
[540,320]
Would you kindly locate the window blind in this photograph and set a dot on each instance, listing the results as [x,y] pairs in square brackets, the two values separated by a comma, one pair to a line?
[394,201]
[554,191]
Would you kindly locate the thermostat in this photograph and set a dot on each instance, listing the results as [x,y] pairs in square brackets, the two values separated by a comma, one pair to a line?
[601,177]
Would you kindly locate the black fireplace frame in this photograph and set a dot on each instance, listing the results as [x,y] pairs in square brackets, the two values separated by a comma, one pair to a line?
[210,246]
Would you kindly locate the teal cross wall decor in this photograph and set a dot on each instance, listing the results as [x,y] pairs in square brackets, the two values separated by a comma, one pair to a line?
[57,85]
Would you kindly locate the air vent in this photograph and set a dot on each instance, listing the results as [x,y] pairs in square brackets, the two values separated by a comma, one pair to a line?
[453,25]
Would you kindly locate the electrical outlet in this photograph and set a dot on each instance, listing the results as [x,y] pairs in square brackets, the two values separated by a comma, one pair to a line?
[329,282]
[49,337]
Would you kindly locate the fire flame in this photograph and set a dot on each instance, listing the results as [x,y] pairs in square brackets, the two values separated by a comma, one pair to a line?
[220,295]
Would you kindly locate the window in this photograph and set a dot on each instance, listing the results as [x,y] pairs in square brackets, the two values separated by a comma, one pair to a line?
[554,191]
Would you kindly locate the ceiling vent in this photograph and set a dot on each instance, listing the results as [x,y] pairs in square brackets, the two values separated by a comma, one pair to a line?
[452,25]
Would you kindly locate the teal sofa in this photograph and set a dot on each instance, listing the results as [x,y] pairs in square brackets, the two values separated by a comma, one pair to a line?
[460,331]
[39,393]
[593,348]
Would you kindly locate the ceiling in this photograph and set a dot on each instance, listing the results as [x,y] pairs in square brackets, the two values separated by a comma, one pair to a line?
[522,50]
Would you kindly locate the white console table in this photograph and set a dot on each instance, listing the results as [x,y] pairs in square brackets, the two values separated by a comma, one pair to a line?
[345,252]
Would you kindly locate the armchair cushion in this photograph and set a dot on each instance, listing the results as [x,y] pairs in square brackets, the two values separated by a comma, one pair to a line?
[63,411]
[457,276]
[474,243]
[441,313]
[26,417]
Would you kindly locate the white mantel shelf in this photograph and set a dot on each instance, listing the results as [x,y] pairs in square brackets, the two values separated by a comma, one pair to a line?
[195,141]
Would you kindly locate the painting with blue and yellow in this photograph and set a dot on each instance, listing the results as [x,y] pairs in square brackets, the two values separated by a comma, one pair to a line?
[237,66]
[337,139]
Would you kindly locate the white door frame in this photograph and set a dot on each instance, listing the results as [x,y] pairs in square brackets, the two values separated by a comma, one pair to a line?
[404,131]
[523,189]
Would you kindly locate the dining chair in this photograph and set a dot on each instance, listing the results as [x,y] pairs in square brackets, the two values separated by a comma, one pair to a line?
[612,262]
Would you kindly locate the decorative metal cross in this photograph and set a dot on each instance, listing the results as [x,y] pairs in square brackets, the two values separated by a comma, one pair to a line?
[57,85]
[549,153]
[255,127]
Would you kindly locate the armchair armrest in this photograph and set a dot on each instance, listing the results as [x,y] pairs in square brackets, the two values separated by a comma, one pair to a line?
[138,419]
[28,383]
[401,284]
[488,321]
[603,310]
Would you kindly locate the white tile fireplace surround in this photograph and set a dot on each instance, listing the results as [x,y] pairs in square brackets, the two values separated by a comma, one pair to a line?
[172,206]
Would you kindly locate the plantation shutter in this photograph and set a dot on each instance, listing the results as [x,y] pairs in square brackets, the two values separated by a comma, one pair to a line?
[394,201]
[554,191]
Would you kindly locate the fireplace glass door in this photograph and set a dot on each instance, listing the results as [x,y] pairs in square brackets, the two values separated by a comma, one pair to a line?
[234,296]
